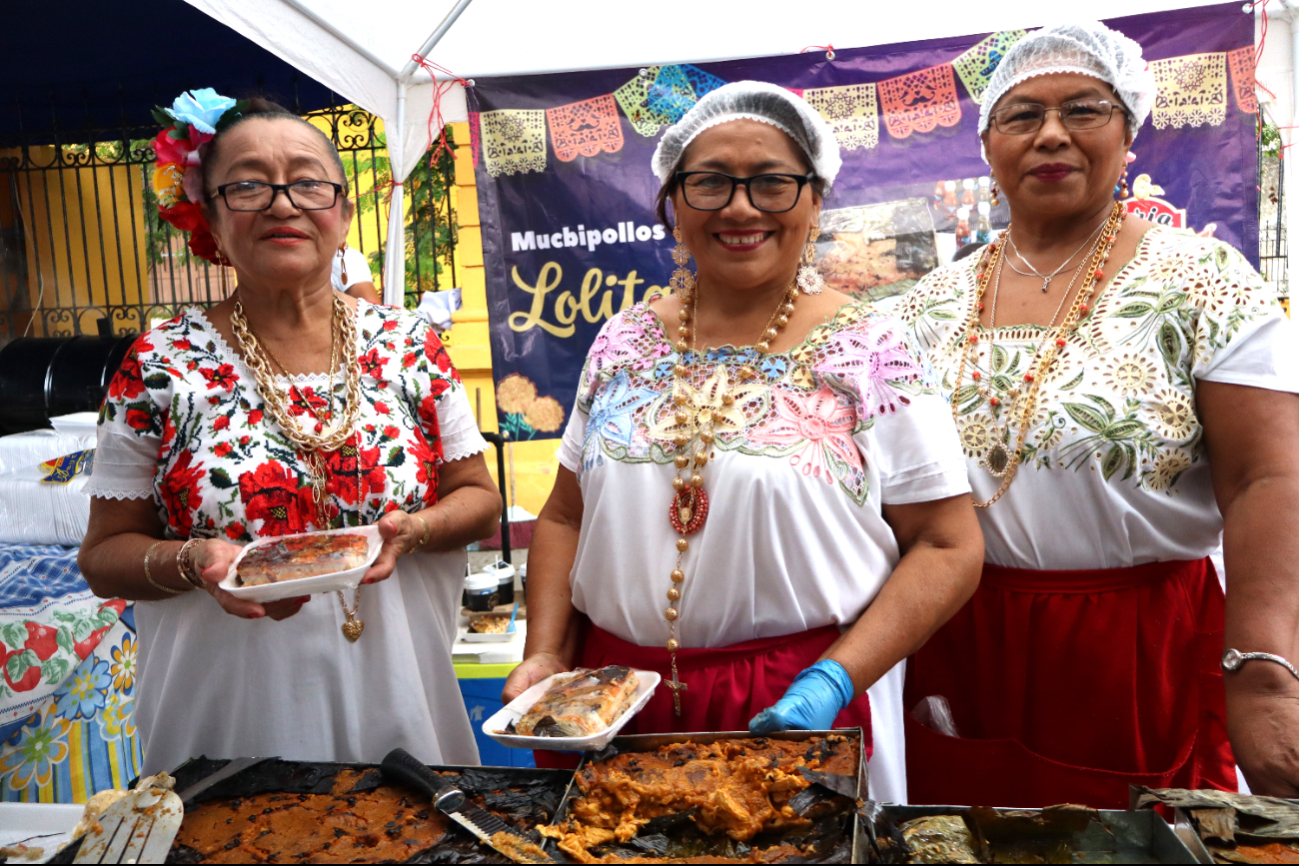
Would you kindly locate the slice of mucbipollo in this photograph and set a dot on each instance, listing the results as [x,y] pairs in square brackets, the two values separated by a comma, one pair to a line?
[302,556]
[581,703]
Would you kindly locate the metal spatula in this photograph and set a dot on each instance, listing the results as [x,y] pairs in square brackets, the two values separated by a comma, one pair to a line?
[139,828]
[404,768]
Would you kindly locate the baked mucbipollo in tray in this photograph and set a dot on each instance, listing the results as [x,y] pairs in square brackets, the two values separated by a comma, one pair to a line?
[580,710]
[314,812]
[728,797]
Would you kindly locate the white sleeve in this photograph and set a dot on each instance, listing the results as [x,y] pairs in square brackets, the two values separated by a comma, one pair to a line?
[917,451]
[1242,335]
[125,463]
[570,447]
[456,425]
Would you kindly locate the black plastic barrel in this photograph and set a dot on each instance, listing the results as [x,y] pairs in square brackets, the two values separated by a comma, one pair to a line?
[43,377]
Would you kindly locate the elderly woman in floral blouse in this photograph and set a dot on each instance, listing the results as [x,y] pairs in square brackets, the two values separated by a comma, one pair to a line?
[1124,391]
[287,407]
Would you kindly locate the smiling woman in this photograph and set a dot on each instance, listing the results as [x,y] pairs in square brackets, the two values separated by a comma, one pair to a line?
[288,407]
[1126,397]
[763,501]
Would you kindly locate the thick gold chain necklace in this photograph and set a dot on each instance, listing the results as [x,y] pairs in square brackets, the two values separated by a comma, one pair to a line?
[998,459]
[689,509]
[313,446]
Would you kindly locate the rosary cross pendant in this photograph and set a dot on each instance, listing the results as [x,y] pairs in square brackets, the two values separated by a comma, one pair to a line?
[677,688]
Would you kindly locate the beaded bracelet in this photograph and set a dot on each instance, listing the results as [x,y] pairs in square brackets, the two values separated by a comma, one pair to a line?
[185,564]
[149,577]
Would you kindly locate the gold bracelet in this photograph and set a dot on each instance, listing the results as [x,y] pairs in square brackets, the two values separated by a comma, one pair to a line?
[149,577]
[423,541]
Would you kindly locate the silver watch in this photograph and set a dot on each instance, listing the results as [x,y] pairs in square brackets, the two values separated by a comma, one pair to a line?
[1232,659]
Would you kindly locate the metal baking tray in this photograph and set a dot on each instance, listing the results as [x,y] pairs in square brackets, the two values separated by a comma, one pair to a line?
[850,847]
[1119,837]
[528,797]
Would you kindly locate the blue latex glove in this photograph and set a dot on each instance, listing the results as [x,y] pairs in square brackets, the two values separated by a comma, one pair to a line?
[814,698]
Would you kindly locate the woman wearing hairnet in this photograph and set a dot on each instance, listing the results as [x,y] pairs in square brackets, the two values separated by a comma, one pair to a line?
[1124,392]
[762,496]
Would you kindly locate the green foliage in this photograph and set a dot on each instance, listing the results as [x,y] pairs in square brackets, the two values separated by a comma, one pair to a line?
[430,231]
[1269,138]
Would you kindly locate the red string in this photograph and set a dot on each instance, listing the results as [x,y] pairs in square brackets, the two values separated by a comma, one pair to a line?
[829,49]
[440,89]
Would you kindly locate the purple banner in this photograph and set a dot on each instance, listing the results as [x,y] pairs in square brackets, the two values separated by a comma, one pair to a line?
[566,194]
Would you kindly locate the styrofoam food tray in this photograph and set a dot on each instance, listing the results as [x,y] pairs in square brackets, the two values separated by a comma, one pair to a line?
[349,579]
[499,637]
[516,709]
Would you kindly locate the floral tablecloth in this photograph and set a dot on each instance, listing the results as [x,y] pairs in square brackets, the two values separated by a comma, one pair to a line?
[67,659]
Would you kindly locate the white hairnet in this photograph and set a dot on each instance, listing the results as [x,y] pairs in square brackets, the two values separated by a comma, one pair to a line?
[1089,48]
[753,100]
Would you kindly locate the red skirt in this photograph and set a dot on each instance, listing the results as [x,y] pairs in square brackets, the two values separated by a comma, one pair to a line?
[1067,686]
[726,686]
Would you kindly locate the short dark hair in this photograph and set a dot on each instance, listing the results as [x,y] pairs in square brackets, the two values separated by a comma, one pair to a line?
[260,108]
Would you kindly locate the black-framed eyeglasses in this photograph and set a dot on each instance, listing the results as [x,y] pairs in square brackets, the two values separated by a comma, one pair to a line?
[712,190]
[1027,117]
[254,195]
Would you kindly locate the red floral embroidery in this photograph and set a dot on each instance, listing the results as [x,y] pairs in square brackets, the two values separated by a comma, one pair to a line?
[272,495]
[222,377]
[139,419]
[180,493]
[254,417]
[427,458]
[128,383]
[223,449]
[428,416]
[381,408]
[408,360]
[372,363]
[437,353]
[235,531]
[343,472]
[182,345]
[306,400]
[221,423]
[390,325]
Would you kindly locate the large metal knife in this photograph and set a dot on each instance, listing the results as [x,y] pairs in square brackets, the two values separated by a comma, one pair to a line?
[402,767]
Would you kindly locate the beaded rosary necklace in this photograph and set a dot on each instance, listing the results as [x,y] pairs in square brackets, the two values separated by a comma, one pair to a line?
[689,509]
[998,459]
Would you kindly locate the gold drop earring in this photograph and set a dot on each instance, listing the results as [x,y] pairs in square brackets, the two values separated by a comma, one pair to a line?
[809,278]
[993,191]
[342,258]
[683,281]
[1123,183]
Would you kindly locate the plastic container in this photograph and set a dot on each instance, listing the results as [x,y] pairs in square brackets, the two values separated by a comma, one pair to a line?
[480,592]
[339,580]
[505,580]
[516,709]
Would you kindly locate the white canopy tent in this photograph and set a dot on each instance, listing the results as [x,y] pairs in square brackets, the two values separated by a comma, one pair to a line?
[363,51]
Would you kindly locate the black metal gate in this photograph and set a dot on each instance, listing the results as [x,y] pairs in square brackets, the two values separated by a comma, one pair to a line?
[83,251]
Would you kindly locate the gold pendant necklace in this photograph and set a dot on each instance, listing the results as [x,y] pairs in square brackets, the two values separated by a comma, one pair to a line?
[1000,460]
[689,509]
[313,446]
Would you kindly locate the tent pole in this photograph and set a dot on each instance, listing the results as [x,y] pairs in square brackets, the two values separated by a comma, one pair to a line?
[408,71]
[394,276]
[315,17]
[1291,153]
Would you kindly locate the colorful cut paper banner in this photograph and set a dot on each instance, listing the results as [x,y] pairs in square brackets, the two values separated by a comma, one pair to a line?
[633,97]
[475,136]
[514,140]
[920,101]
[703,83]
[585,128]
[1192,91]
[671,94]
[977,65]
[1241,63]
[851,111]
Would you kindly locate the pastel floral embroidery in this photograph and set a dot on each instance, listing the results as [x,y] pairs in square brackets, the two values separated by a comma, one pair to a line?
[819,427]
[85,693]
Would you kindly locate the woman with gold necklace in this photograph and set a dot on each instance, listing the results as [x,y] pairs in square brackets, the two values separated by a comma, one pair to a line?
[759,486]
[1123,390]
[286,408]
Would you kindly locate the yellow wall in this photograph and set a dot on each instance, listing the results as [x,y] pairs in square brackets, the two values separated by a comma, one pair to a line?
[467,341]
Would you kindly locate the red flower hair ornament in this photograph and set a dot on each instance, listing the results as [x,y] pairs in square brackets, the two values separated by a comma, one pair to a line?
[192,121]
